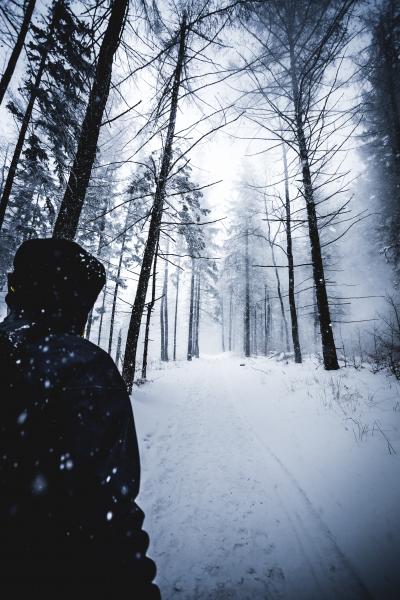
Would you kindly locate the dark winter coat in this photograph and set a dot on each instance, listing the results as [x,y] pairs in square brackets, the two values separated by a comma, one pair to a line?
[69,461]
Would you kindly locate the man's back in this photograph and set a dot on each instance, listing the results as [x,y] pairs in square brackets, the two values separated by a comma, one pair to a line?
[70,465]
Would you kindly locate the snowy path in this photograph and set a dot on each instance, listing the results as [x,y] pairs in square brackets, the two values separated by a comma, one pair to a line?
[226,506]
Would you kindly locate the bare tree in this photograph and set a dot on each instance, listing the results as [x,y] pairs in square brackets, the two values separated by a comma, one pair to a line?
[306,38]
[16,51]
[128,370]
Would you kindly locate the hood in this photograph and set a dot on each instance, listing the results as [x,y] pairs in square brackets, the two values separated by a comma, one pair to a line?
[55,282]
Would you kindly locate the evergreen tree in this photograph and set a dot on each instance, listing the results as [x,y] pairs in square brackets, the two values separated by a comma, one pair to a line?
[57,72]
[381,109]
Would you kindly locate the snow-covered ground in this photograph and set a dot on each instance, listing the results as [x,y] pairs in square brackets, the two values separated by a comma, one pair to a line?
[271,480]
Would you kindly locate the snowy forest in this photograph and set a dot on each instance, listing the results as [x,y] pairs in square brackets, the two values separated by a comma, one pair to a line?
[235,166]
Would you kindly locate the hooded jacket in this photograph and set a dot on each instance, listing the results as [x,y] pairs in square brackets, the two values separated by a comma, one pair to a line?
[69,460]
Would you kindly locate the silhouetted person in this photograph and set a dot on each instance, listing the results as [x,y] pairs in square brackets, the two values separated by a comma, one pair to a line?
[69,462]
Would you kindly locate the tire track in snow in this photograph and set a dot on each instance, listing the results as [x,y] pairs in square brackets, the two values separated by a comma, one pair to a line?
[358,588]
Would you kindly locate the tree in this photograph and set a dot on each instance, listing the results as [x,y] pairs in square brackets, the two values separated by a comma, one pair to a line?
[71,206]
[380,77]
[289,253]
[34,91]
[196,23]
[16,51]
[164,311]
[56,78]
[271,238]
[246,311]
[156,217]
[306,39]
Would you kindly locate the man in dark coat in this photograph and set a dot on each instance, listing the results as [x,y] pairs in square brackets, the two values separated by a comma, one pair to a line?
[69,461]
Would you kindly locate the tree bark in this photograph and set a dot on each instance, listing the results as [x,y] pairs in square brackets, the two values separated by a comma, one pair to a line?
[315,317]
[178,274]
[71,206]
[278,282]
[16,51]
[230,320]
[115,295]
[5,197]
[128,370]
[289,251]
[267,317]
[162,330]
[222,325]
[150,307]
[255,330]
[102,228]
[118,352]
[89,325]
[247,298]
[191,311]
[197,317]
[103,304]
[328,342]
[164,314]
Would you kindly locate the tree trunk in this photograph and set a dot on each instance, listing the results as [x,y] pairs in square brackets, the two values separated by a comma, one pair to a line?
[222,325]
[191,310]
[197,316]
[178,274]
[328,342]
[118,352]
[162,330]
[128,370]
[5,197]
[164,314]
[115,295]
[230,320]
[278,282]
[103,304]
[255,330]
[315,317]
[16,51]
[99,253]
[150,307]
[289,251]
[247,299]
[269,320]
[267,316]
[71,206]
[166,327]
[89,325]
[3,169]
[194,314]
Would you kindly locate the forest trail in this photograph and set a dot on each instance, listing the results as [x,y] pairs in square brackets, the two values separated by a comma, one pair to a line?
[239,504]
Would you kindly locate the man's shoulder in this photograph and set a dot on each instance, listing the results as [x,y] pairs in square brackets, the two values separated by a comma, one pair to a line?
[77,356]
[57,357]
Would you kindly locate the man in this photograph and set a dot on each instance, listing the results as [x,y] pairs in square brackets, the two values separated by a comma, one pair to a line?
[69,461]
